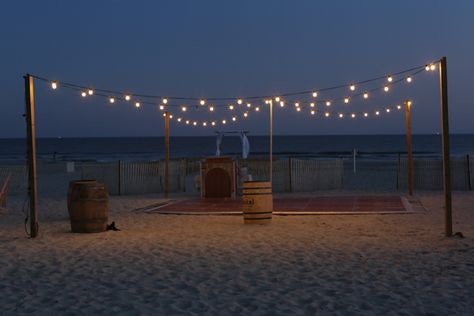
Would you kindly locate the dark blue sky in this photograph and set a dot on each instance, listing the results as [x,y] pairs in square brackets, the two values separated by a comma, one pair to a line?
[219,48]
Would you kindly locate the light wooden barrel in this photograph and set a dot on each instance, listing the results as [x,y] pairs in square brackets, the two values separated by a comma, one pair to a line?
[257,202]
[88,206]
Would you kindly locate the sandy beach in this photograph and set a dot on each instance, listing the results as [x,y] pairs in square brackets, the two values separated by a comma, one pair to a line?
[298,265]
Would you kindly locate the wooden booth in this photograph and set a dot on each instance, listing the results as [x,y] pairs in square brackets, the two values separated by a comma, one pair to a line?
[218,178]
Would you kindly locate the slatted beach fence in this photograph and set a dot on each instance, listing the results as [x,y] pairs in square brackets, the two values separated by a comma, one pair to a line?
[311,175]
[18,183]
[140,178]
[106,173]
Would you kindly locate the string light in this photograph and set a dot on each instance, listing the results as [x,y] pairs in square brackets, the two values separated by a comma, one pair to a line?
[246,114]
[234,118]
[427,67]
[399,107]
[313,112]
[341,115]
[187,122]
[353,115]
[195,123]
[202,102]
[249,105]
[282,104]
[164,101]
[211,108]
[257,109]
[377,112]
[239,101]
[90,92]
[224,122]
[352,87]
[326,114]
[112,100]
[366,114]
[204,123]
[184,109]
[164,114]
[162,107]
[179,119]
[171,116]
[388,110]
[213,123]
[54,85]
[127,97]
[433,67]
[298,109]
[137,104]
[386,88]
[277,99]
[231,107]
[389,79]
[409,79]
[297,104]
[315,94]
[346,100]
[366,95]
[83,94]
[312,104]
[328,103]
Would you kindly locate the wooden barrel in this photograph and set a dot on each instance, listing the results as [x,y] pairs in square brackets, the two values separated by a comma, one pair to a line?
[88,206]
[257,202]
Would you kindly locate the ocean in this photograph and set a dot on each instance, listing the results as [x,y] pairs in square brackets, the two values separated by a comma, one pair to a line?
[152,148]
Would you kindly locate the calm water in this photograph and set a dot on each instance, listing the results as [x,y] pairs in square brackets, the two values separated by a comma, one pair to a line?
[152,148]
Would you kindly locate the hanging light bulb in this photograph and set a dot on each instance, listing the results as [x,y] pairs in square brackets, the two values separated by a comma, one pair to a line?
[366,114]
[257,109]
[346,100]
[83,94]
[366,95]
[179,119]
[202,102]
[388,110]
[204,123]
[315,94]
[234,119]
[239,101]
[137,104]
[171,116]
[282,104]
[432,67]
[399,107]
[127,97]
[298,109]
[377,112]
[249,105]
[389,79]
[297,104]
[386,88]
[409,79]
[213,123]
[211,108]
[54,85]
[246,114]
[277,99]
[90,92]
[312,104]
[328,103]
[224,122]
[164,101]
[195,123]
[112,100]
[164,114]
[353,115]
[184,109]
[427,67]
[162,107]
[341,115]
[187,122]
[313,112]
[352,87]
[231,107]
[326,114]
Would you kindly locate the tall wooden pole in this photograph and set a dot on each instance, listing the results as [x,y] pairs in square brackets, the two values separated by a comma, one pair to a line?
[443,87]
[271,141]
[409,146]
[31,148]
[167,154]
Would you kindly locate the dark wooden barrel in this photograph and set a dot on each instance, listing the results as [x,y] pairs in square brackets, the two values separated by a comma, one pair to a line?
[88,206]
[257,202]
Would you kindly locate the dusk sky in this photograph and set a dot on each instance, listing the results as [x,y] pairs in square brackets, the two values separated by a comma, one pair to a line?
[231,48]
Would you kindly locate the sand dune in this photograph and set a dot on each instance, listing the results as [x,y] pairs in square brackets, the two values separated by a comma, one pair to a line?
[161,264]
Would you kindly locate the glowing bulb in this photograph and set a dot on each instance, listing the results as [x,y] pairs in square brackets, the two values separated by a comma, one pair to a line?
[224,122]
[352,87]
[315,94]
[83,94]
[162,107]
[341,115]
[231,107]
[171,116]
[179,119]
[353,115]
[313,112]
[366,114]
[389,79]
[297,104]
[184,109]
[164,114]
[54,85]
[326,114]
[246,114]
[388,110]
[366,95]
[195,123]
[137,104]
[409,79]
[239,101]
[386,88]
[427,68]
[211,108]
[202,102]
[249,105]
[127,97]
[432,67]
[282,104]
[165,100]
[90,92]
[213,123]
[328,103]
[277,99]
[257,109]
[346,100]
[112,100]
[409,103]
[234,118]
[298,109]
[377,112]
[312,104]
[399,107]
[204,123]
[187,122]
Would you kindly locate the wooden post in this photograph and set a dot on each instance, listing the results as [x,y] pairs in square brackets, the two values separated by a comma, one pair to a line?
[31,149]
[443,87]
[167,155]
[409,145]
[271,141]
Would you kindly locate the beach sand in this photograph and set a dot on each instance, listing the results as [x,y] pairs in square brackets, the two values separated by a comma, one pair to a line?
[215,265]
